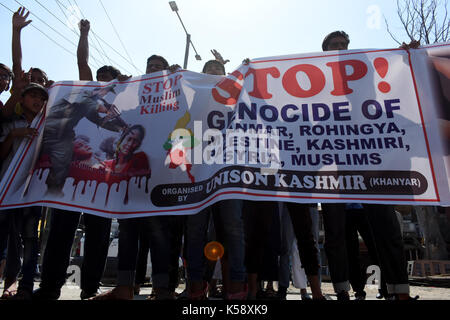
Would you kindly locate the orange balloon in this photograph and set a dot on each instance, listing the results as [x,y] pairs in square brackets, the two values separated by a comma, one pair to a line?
[213,250]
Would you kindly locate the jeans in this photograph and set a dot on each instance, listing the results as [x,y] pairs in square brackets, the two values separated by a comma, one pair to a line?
[289,244]
[335,246]
[23,241]
[358,222]
[390,247]
[258,223]
[229,228]
[157,229]
[307,246]
[56,258]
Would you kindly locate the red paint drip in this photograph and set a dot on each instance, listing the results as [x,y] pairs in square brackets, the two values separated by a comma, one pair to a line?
[83,191]
[81,172]
[382,66]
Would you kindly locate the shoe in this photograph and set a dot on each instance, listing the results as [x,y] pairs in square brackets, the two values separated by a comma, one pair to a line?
[270,294]
[282,293]
[117,293]
[46,294]
[361,295]
[397,298]
[84,295]
[343,296]
[306,296]
[161,294]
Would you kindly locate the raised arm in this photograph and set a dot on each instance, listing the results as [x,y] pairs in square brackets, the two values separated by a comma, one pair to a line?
[83,52]
[19,21]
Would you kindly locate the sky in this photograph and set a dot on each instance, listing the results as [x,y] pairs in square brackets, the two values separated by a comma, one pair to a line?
[238,29]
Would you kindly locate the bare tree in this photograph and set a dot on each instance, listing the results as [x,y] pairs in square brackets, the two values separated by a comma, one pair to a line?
[423,20]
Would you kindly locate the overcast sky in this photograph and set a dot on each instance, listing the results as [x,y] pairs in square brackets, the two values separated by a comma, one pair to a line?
[236,28]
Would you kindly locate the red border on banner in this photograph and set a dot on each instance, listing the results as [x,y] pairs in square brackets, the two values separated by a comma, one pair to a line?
[242,192]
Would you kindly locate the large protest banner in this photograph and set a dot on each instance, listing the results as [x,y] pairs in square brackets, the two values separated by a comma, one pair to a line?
[366,126]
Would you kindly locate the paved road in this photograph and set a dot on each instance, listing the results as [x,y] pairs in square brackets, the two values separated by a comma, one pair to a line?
[72,292]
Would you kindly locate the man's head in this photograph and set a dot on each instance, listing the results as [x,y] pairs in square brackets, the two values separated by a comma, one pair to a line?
[214,67]
[34,97]
[39,76]
[337,40]
[107,73]
[6,76]
[131,140]
[81,148]
[156,63]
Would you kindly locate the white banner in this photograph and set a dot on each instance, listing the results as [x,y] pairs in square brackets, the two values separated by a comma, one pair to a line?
[367,126]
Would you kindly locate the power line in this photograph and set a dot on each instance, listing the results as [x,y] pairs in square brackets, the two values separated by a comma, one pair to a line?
[59,33]
[99,38]
[68,19]
[95,37]
[118,36]
[62,21]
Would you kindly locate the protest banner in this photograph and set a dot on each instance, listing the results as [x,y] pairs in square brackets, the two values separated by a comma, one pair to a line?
[366,126]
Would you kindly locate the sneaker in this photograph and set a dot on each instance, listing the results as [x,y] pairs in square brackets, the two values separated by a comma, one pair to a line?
[343,296]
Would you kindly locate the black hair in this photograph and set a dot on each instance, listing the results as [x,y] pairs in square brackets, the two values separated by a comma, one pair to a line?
[332,35]
[138,127]
[160,58]
[43,73]
[213,62]
[110,69]
[11,74]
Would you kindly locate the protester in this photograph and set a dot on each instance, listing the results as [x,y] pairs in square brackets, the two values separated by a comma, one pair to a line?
[6,77]
[23,233]
[64,223]
[382,221]
[158,230]
[290,263]
[229,229]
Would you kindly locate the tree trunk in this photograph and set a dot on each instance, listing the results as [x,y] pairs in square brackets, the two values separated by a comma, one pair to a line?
[435,245]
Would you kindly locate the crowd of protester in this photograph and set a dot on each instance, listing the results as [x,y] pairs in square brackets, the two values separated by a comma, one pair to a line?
[262,241]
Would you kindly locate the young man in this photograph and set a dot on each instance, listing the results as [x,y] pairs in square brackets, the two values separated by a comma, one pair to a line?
[229,227]
[157,228]
[381,219]
[64,223]
[24,222]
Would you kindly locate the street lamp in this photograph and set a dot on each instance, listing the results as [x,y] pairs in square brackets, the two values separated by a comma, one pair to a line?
[174,8]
